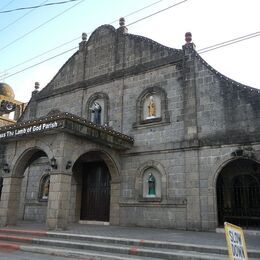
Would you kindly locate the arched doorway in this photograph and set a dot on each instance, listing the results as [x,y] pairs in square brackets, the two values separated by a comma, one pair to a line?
[34,168]
[91,188]
[238,193]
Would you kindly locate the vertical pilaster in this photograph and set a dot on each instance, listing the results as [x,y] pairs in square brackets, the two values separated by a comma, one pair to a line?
[58,201]
[192,174]
[114,203]
[10,198]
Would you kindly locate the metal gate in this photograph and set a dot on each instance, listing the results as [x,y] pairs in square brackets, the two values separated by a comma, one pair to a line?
[95,202]
[239,201]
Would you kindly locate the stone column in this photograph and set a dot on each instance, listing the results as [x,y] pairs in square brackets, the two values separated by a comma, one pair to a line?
[58,201]
[10,198]
[114,203]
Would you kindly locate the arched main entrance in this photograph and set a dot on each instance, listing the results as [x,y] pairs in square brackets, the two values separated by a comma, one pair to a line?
[95,196]
[91,188]
[238,193]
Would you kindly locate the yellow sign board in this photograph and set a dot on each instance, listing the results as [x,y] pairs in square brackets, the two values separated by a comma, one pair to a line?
[236,242]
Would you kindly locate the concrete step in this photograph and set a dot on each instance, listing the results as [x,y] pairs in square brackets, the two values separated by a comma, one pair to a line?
[50,244]
[120,241]
[70,253]
[123,246]
[94,254]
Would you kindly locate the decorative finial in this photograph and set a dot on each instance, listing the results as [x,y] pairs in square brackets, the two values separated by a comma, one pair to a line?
[188,37]
[122,27]
[84,36]
[122,21]
[36,85]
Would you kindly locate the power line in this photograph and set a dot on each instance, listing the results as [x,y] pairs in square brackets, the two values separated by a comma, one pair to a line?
[242,38]
[2,8]
[41,62]
[229,42]
[36,28]
[137,11]
[148,16]
[77,47]
[63,44]
[19,18]
[36,6]
[38,56]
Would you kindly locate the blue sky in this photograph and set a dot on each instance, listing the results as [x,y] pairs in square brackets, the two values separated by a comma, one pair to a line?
[210,21]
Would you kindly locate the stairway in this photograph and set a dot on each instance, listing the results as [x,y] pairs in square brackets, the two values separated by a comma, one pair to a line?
[101,247]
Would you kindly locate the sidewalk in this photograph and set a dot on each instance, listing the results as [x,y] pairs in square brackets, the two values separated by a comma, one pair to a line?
[167,235]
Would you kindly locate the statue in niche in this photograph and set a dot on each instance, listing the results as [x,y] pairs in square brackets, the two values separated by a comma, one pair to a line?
[151,108]
[151,185]
[96,110]
[45,188]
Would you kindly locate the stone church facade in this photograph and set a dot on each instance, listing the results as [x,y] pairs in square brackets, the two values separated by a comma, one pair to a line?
[133,133]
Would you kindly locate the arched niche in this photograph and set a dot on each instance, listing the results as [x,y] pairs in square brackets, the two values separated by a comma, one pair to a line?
[151,182]
[44,187]
[152,107]
[102,100]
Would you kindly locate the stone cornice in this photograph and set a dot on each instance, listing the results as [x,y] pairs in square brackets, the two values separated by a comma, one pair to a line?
[68,123]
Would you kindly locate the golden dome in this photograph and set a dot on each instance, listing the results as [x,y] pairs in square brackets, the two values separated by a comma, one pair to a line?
[6,90]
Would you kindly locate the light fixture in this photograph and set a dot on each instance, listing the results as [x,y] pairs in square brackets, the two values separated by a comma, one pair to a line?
[68,165]
[53,163]
[6,168]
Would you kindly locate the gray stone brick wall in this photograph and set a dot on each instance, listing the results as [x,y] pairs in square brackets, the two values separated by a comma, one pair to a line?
[31,208]
[206,117]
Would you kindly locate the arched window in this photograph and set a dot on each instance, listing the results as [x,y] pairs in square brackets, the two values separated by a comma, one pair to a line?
[44,187]
[97,108]
[151,107]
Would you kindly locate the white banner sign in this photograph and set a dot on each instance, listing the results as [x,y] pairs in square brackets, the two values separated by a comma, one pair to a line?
[29,129]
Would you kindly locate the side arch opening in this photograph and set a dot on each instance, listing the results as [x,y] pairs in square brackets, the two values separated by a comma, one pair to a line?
[238,193]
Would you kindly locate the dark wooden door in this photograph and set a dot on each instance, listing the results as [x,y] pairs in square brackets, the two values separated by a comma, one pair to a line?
[95,202]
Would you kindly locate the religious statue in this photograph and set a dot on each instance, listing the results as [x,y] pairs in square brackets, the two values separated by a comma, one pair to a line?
[45,188]
[96,110]
[151,108]
[151,185]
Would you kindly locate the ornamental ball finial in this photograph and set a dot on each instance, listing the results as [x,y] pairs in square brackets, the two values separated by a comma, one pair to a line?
[122,21]
[84,36]
[188,37]
[36,85]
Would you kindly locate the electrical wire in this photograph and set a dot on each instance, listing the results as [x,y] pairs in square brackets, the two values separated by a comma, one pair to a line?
[38,56]
[137,11]
[63,44]
[41,25]
[242,38]
[41,62]
[19,18]
[165,9]
[203,50]
[229,42]
[37,6]
[2,8]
